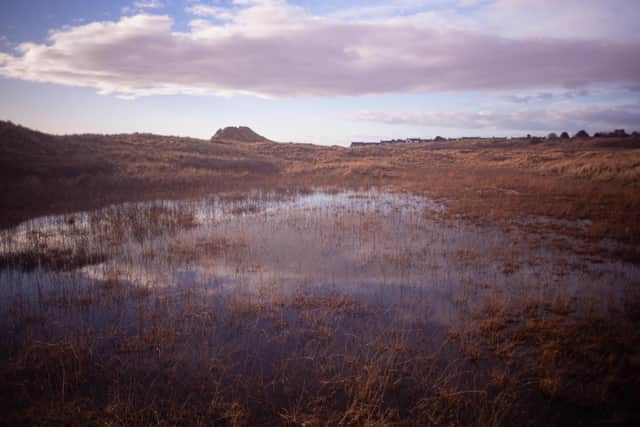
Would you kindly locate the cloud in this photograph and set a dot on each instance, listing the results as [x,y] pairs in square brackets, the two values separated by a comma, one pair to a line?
[141,6]
[585,19]
[525,99]
[205,10]
[582,19]
[546,96]
[593,118]
[148,4]
[274,49]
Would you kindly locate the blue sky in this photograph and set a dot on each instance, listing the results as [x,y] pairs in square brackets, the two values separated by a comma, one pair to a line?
[323,72]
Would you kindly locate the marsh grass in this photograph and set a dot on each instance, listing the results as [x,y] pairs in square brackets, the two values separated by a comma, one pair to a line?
[50,259]
[304,308]
[582,365]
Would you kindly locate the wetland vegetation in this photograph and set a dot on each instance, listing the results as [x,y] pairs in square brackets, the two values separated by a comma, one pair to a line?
[478,282]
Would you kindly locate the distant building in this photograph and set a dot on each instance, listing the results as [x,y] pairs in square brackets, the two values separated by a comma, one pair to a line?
[409,141]
[420,140]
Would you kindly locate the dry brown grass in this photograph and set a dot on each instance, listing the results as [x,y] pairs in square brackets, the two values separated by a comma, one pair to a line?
[584,365]
[121,353]
[50,259]
[480,180]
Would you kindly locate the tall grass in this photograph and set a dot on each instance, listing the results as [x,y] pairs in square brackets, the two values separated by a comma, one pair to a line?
[304,308]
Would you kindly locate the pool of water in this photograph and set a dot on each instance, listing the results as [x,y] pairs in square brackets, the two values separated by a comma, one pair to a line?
[391,251]
[333,303]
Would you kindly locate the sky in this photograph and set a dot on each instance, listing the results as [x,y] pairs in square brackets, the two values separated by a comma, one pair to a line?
[325,72]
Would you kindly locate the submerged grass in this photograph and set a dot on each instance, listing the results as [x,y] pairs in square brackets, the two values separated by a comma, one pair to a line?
[112,341]
[551,371]
[55,259]
[583,367]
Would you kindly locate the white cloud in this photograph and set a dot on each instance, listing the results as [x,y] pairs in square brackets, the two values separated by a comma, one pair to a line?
[272,48]
[585,19]
[593,118]
[148,4]
[209,11]
[572,19]
[141,6]
[546,96]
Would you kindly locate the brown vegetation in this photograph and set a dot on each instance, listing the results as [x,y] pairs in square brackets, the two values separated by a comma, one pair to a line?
[593,179]
[238,134]
[114,349]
